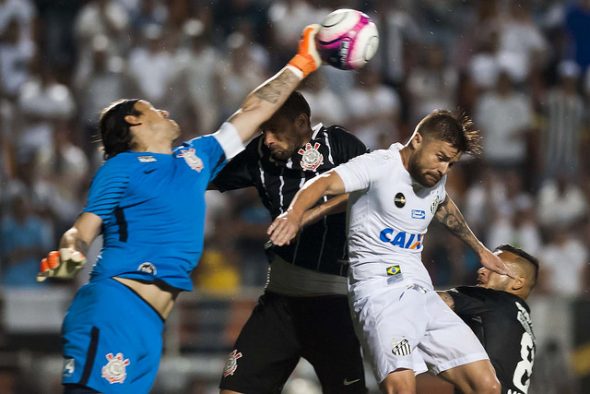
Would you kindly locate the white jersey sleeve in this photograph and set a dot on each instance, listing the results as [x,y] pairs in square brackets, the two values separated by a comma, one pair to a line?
[359,172]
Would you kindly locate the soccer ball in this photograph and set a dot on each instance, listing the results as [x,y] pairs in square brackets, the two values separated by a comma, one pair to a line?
[347,39]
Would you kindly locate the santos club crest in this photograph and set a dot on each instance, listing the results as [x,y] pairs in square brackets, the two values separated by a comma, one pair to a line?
[311,157]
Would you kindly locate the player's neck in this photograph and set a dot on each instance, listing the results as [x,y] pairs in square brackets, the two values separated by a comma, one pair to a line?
[405,154]
[154,146]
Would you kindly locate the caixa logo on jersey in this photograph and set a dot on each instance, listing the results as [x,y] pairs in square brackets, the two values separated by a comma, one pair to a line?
[401,239]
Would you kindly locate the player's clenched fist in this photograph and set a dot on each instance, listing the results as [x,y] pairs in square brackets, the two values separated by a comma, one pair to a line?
[63,264]
[284,228]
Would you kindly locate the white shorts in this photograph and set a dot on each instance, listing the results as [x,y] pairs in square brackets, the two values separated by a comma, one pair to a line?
[410,327]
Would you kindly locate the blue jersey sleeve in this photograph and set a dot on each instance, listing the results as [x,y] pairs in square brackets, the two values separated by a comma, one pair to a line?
[108,188]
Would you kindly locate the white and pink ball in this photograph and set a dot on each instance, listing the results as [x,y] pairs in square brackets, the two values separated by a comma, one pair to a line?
[347,39]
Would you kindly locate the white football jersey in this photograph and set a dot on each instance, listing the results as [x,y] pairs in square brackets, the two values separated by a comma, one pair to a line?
[388,216]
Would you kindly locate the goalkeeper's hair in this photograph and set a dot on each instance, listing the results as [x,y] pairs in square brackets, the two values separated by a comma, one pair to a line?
[456,129]
[114,129]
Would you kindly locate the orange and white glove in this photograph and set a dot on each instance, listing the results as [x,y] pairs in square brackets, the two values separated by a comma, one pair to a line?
[64,264]
[307,59]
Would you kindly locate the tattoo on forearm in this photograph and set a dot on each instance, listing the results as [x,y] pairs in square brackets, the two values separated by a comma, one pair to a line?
[450,216]
[273,89]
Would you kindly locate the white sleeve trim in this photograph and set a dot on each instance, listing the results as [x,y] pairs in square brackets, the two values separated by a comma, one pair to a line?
[229,139]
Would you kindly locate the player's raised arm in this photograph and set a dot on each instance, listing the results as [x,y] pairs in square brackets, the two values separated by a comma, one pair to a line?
[286,226]
[449,215]
[266,99]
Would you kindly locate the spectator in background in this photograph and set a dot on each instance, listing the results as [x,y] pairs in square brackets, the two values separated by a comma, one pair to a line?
[518,227]
[103,17]
[237,76]
[198,61]
[16,52]
[62,169]
[151,68]
[564,263]
[98,81]
[147,13]
[505,116]
[432,84]
[42,101]
[577,26]
[24,237]
[23,12]
[399,33]
[374,110]
[565,120]
[561,203]
[522,47]
[327,106]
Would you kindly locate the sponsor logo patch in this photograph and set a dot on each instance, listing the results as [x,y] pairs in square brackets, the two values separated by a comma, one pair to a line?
[115,370]
[231,365]
[399,200]
[69,367]
[148,268]
[191,158]
[311,157]
[146,159]
[401,348]
[401,238]
[418,214]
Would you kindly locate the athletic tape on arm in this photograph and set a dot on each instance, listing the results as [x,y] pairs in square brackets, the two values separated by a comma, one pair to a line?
[229,139]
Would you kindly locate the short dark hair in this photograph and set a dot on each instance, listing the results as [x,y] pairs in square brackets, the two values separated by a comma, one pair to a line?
[523,255]
[456,129]
[295,105]
[114,129]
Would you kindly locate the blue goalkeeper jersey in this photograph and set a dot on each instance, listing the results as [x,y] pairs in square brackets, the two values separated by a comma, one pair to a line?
[153,210]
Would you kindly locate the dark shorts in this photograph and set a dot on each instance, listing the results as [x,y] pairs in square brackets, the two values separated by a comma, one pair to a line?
[282,329]
[112,340]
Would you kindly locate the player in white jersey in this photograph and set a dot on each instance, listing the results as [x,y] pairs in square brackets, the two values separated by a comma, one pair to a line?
[394,194]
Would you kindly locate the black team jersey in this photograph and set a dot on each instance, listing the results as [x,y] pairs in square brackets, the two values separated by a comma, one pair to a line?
[320,246]
[502,323]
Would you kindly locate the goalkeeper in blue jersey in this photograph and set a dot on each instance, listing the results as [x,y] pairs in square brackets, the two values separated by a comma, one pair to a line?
[148,201]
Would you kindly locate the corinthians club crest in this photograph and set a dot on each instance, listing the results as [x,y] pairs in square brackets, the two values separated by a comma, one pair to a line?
[311,157]
[114,370]
[191,158]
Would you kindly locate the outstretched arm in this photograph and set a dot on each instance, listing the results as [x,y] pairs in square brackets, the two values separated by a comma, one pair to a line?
[450,216]
[286,226]
[266,99]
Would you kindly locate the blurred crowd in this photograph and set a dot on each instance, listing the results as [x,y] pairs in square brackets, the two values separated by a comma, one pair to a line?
[519,68]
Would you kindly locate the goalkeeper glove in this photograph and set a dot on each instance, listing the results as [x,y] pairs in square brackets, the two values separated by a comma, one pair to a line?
[64,264]
[307,58]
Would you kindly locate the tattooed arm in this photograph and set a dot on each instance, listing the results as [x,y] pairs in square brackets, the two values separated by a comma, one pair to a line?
[266,99]
[450,216]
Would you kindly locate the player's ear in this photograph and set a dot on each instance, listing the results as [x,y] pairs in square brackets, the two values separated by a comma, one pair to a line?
[518,283]
[132,120]
[416,141]
[302,122]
